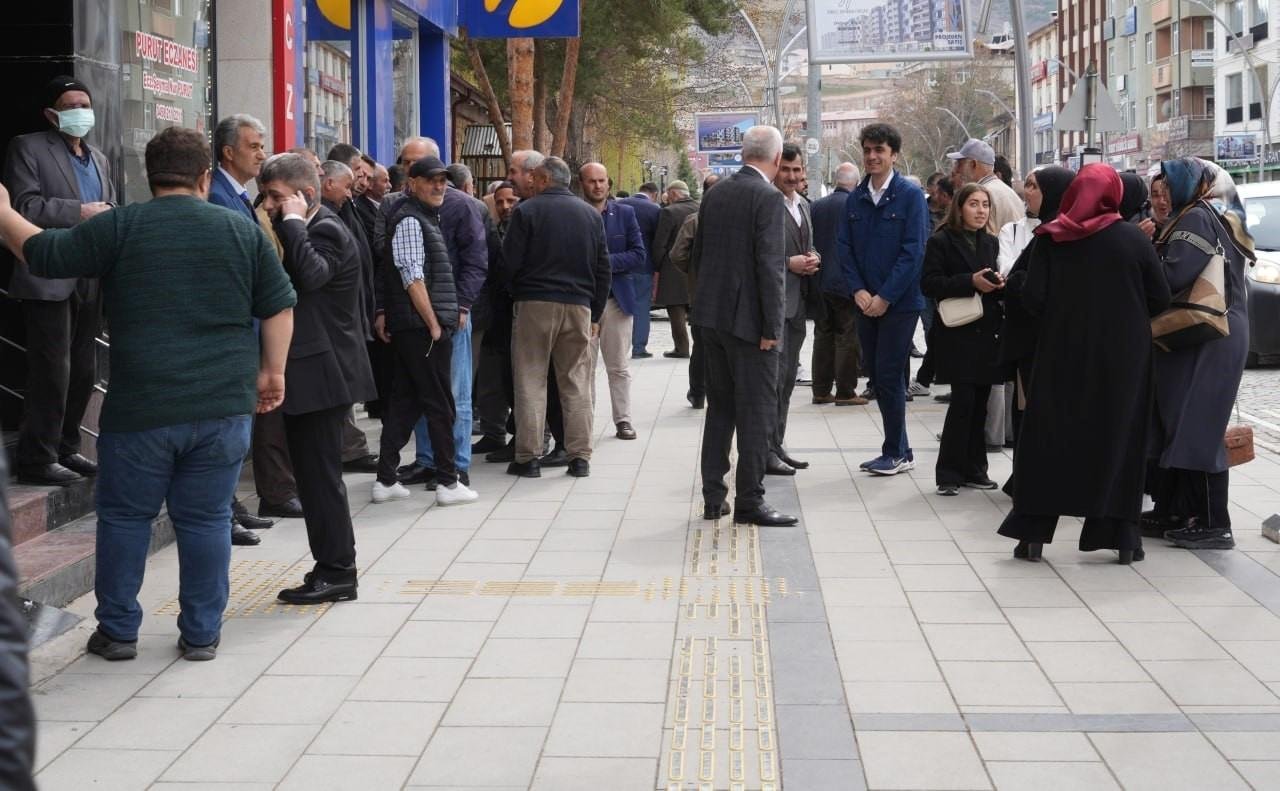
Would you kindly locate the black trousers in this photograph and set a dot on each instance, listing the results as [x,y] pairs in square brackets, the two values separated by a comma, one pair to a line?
[420,386]
[1098,532]
[315,445]
[742,399]
[962,455]
[697,364]
[795,331]
[382,362]
[272,467]
[835,349]
[493,390]
[679,316]
[60,376]
[1193,493]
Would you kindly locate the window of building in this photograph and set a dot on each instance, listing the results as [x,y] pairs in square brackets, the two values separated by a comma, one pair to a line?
[1151,48]
[1133,53]
[404,75]
[1208,102]
[1111,9]
[1259,28]
[328,104]
[1111,60]
[1151,111]
[1235,17]
[1235,98]
[1208,37]
[1175,37]
[1177,103]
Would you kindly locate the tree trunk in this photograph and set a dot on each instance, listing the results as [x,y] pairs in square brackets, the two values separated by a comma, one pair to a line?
[520,87]
[491,99]
[539,96]
[564,105]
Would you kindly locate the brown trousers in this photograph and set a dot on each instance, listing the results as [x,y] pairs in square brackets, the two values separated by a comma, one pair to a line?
[559,334]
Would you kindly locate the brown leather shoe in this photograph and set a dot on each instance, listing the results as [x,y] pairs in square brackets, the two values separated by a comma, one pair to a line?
[853,400]
[824,399]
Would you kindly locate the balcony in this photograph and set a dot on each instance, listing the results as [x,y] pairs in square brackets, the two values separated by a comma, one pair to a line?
[1161,12]
[1162,75]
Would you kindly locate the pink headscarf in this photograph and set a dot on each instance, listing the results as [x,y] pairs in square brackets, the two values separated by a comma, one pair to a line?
[1091,203]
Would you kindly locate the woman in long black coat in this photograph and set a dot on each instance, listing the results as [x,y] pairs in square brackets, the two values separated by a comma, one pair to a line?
[960,261]
[1094,282]
[1196,387]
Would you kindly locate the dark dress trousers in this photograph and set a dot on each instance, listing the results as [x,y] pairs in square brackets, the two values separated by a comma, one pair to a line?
[966,356]
[328,371]
[740,269]
[272,468]
[61,315]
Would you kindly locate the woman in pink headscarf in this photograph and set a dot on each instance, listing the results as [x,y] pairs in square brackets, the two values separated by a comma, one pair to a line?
[1093,282]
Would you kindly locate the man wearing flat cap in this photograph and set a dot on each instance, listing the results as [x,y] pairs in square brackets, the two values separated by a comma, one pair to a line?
[57,180]
[975,161]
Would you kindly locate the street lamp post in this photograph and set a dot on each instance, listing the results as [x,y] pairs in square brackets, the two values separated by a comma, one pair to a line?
[957,120]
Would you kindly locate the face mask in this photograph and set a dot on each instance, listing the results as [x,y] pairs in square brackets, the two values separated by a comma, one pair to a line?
[76,122]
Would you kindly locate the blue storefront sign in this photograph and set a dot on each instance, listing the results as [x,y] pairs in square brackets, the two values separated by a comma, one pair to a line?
[1042,121]
[519,18]
[1130,21]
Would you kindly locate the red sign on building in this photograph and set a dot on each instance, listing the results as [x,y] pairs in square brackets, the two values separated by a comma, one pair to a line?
[286,62]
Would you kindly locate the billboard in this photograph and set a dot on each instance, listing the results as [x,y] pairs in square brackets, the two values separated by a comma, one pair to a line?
[519,18]
[879,31]
[716,132]
[1240,149]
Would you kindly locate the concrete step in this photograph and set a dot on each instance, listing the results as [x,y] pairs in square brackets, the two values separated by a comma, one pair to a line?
[35,510]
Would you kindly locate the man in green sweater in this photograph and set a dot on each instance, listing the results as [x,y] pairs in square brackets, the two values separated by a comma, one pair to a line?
[182,281]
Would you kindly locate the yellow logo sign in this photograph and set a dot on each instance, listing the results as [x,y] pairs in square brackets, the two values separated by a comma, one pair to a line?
[526,13]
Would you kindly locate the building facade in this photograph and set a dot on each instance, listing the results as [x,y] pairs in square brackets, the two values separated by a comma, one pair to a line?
[1243,119]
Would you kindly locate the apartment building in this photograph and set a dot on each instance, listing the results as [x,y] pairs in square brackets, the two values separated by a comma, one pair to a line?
[1246,95]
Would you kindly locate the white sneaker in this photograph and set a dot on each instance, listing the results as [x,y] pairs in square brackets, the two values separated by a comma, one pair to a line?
[457,494]
[917,389]
[385,494]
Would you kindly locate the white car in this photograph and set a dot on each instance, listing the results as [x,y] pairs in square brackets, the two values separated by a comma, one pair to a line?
[1262,281]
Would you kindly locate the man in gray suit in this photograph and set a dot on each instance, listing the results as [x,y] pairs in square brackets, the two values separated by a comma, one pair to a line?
[802,265]
[740,270]
[57,180]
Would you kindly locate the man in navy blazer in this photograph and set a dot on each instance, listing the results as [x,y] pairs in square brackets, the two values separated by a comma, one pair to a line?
[627,256]
[239,149]
[645,204]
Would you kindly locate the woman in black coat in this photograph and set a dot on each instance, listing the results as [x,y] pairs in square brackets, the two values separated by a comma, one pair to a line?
[1196,387]
[1093,282]
[960,261]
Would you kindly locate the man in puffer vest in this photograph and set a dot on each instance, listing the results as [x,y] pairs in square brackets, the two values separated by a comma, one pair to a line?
[421,306]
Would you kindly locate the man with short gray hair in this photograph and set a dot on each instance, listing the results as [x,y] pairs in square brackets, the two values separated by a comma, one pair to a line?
[835,335]
[557,268]
[740,271]
[460,178]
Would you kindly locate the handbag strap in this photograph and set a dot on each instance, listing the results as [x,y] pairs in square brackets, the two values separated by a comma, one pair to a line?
[1197,241]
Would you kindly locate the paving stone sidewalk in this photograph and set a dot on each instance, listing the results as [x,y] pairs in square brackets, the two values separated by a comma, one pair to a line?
[596,634]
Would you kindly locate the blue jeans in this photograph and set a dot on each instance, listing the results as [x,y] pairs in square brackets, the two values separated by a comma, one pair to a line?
[640,327]
[193,468]
[460,378]
[886,346]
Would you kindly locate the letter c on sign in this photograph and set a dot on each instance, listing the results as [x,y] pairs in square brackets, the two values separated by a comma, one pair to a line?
[288,30]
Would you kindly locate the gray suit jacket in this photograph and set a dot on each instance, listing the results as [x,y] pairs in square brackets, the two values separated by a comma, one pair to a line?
[799,242]
[43,189]
[739,259]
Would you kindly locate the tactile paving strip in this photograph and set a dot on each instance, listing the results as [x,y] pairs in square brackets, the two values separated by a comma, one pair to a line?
[720,733]
[254,585]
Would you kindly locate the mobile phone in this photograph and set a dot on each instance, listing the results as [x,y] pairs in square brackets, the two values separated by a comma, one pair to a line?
[991,277]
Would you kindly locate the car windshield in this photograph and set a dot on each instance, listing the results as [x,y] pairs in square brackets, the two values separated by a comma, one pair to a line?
[1264,221]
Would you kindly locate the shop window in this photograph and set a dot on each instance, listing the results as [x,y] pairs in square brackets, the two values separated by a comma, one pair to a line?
[328,105]
[1259,28]
[404,75]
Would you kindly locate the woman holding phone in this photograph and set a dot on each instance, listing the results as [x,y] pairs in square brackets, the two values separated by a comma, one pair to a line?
[960,264]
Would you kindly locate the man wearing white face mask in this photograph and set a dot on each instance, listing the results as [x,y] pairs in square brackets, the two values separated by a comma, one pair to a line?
[57,180]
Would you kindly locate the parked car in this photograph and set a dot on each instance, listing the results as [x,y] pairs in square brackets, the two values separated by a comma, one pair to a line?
[1262,281]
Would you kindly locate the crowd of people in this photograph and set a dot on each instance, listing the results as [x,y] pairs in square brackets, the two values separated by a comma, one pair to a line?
[298,287]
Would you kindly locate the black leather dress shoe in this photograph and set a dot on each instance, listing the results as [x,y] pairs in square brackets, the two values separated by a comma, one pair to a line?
[48,475]
[579,468]
[790,462]
[697,401]
[641,355]
[765,516]
[414,474]
[715,511]
[529,469]
[777,466]
[556,458]
[289,509]
[363,464]
[625,431]
[487,445]
[502,455]
[673,355]
[317,591]
[242,537]
[241,515]
[79,464]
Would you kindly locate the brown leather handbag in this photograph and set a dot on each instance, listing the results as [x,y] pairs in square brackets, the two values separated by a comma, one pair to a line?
[1239,442]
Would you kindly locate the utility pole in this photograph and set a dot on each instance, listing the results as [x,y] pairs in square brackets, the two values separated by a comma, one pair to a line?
[814,121]
[1022,72]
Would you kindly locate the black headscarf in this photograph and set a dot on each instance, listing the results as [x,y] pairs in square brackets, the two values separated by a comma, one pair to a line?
[1135,195]
[1053,182]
